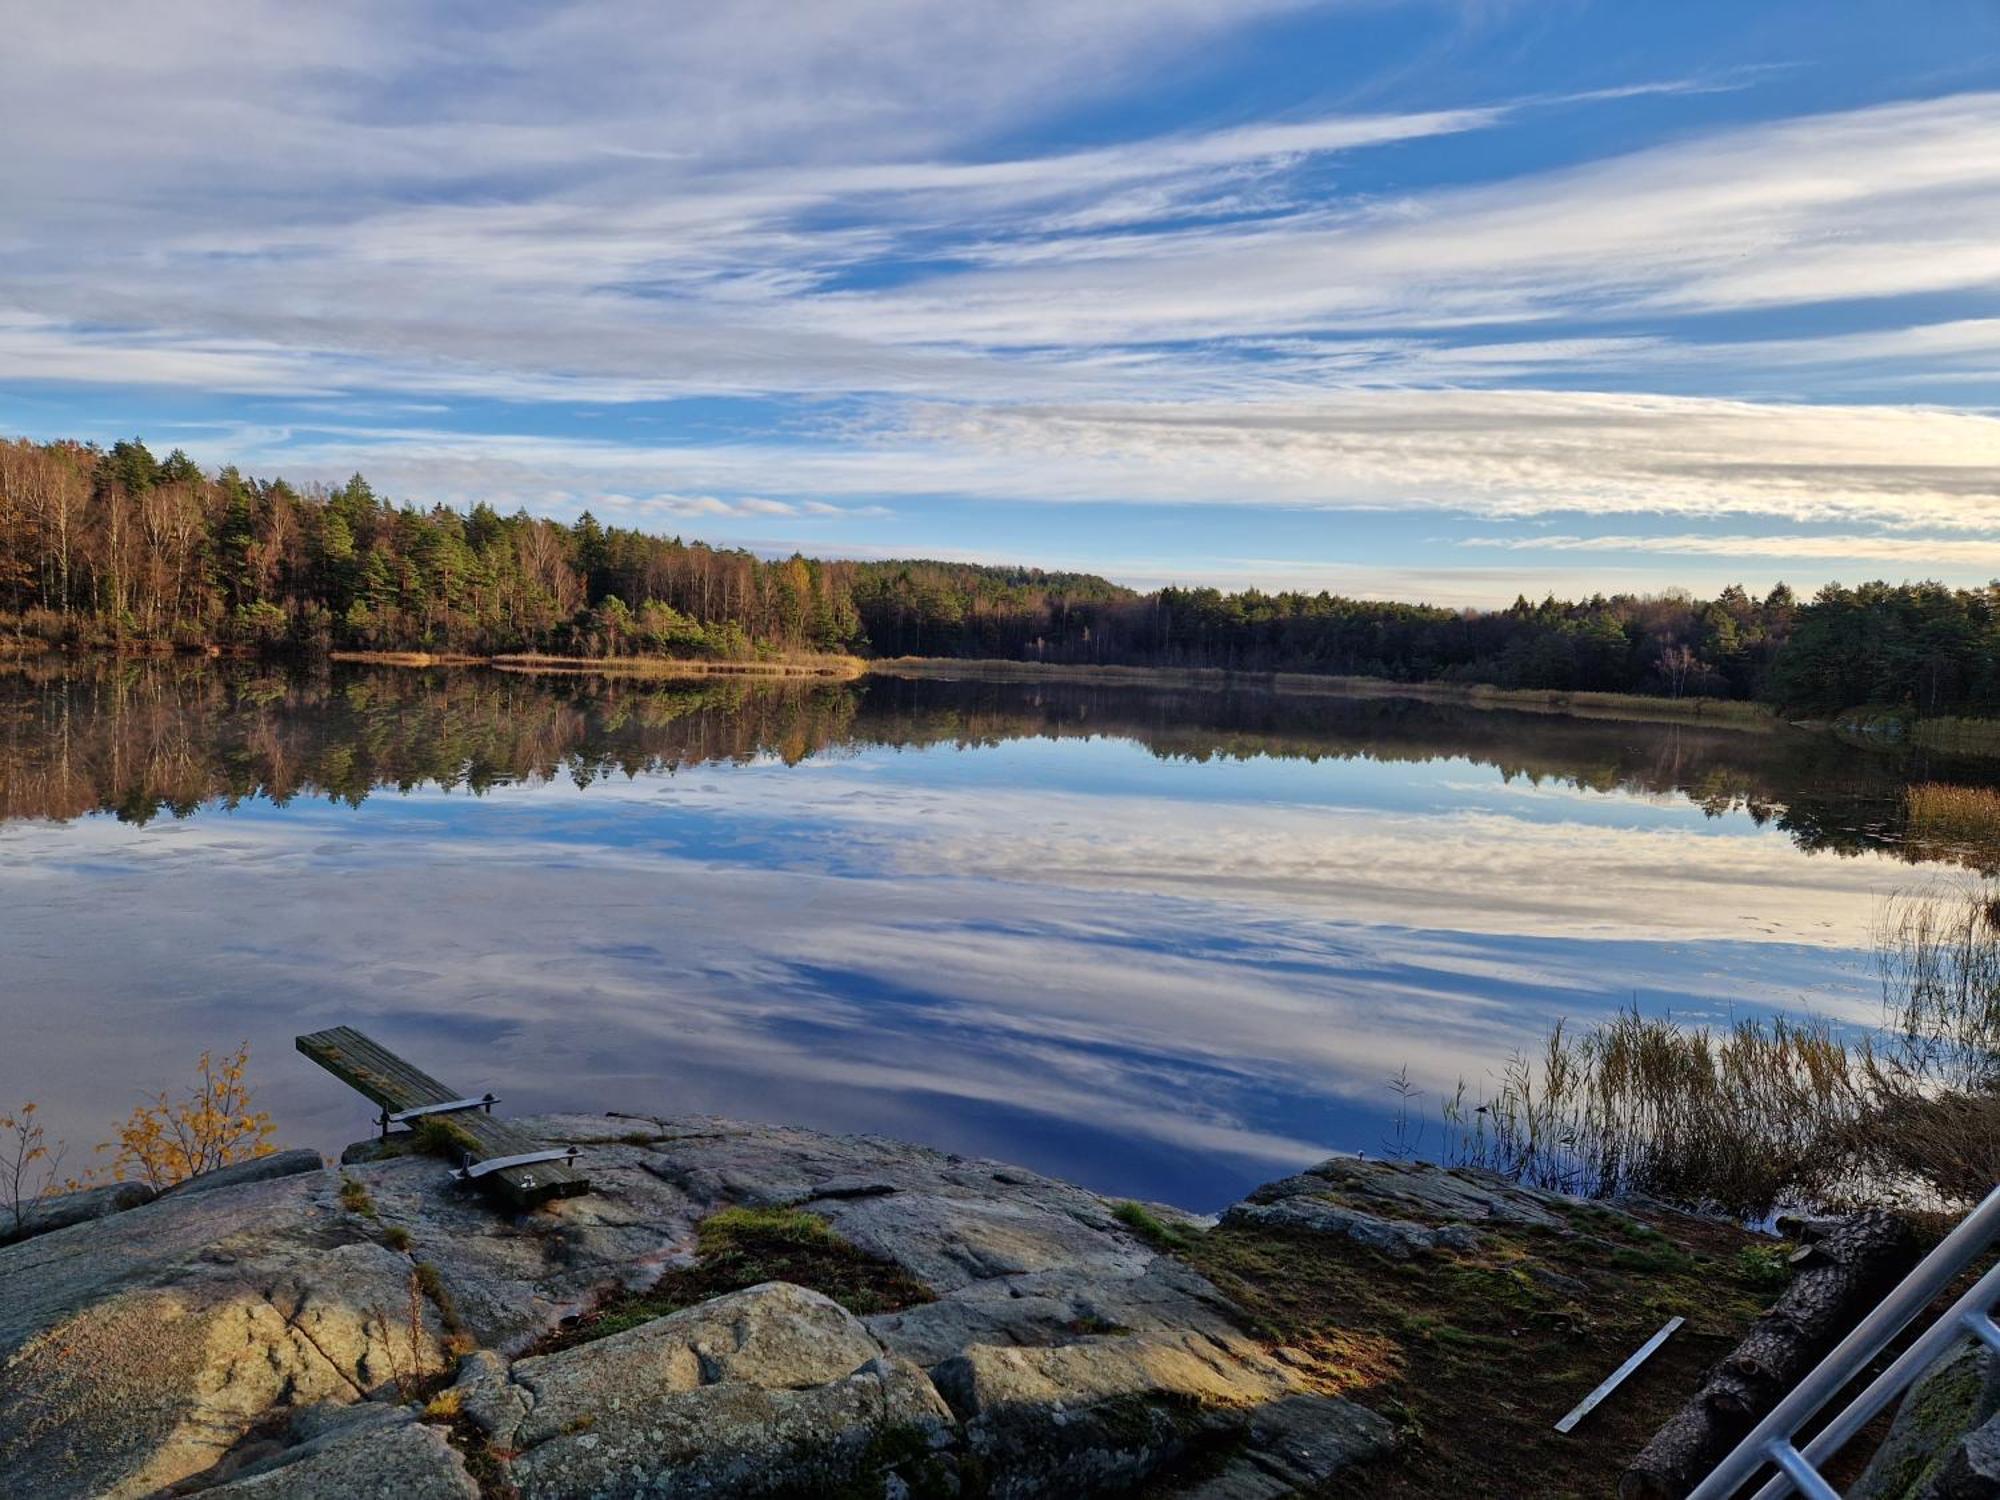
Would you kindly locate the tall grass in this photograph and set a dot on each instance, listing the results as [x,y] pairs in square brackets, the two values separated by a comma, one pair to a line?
[1957,736]
[1764,1114]
[1733,1118]
[1938,810]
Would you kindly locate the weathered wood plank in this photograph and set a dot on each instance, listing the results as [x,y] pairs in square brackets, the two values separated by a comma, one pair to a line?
[373,1070]
[393,1084]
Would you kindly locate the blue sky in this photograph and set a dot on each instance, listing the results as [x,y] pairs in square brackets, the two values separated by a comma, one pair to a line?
[1442,299]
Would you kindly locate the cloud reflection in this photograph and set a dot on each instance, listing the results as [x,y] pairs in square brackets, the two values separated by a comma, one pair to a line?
[1166,977]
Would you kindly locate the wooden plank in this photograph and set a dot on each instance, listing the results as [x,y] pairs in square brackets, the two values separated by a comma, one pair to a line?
[366,1066]
[393,1084]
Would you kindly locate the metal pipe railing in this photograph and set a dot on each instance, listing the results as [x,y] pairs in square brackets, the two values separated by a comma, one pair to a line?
[1771,1441]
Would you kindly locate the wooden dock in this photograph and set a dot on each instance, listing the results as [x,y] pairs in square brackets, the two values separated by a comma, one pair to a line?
[498,1156]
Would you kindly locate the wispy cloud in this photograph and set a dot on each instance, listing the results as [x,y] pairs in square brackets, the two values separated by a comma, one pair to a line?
[386,204]
[1494,454]
[1915,553]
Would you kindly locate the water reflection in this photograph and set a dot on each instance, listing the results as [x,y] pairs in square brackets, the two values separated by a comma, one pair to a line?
[1167,942]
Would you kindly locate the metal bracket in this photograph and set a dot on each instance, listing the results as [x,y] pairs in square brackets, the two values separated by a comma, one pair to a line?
[449,1107]
[472,1171]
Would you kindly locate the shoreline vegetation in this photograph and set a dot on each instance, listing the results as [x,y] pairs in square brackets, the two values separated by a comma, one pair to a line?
[838,667]
[118,548]
[1754,1117]
[1726,713]
[1881,729]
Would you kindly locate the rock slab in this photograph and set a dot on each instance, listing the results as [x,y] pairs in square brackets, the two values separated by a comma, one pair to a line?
[205,1337]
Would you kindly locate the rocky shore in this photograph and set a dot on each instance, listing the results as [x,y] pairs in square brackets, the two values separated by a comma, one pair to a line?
[290,1329]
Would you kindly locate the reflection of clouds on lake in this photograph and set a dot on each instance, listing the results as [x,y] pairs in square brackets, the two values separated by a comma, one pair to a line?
[1165,993]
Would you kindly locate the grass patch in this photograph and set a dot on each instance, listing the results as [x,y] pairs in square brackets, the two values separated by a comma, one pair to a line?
[355,1197]
[458,1338]
[484,1463]
[1735,1118]
[1765,1268]
[1150,1227]
[741,1247]
[434,1135]
[446,1406]
[397,1238]
[1474,1358]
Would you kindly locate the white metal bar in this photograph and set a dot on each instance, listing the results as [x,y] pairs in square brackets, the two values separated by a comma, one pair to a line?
[1900,1375]
[1980,1322]
[1793,1464]
[1869,1337]
[449,1107]
[479,1169]
[1616,1378]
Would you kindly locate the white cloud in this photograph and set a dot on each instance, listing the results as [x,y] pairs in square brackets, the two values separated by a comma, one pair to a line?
[1500,455]
[1910,552]
[389,201]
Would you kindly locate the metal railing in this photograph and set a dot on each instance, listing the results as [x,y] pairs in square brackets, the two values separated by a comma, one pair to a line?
[1773,1440]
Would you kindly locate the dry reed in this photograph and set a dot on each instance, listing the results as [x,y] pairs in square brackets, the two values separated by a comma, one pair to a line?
[1760,1115]
[1941,811]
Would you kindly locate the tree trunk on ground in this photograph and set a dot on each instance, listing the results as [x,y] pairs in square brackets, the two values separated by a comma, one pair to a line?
[1840,1278]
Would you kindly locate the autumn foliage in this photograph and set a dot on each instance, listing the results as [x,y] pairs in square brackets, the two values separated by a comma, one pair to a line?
[30,1167]
[168,1139]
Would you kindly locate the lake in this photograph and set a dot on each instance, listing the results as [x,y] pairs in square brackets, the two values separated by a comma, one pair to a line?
[1169,943]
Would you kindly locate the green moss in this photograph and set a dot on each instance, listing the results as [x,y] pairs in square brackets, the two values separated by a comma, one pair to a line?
[1936,1414]
[1764,1268]
[733,1228]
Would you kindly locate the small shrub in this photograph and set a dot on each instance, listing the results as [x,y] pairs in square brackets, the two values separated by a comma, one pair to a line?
[169,1140]
[30,1167]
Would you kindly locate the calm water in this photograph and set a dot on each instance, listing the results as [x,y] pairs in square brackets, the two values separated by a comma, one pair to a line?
[1168,943]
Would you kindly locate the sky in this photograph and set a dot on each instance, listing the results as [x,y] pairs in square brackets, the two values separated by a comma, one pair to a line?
[1439,300]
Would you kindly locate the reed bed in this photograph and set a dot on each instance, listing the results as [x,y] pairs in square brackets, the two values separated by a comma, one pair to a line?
[1957,736]
[1940,811]
[1734,1118]
[1765,1114]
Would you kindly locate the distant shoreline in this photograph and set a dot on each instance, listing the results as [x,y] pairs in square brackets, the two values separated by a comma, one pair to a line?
[1716,713]
[1724,713]
[1863,727]
[840,668]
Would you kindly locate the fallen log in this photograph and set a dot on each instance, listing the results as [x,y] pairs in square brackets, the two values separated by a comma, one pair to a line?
[1840,1277]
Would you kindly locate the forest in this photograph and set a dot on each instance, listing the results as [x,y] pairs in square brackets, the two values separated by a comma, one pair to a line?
[121,548]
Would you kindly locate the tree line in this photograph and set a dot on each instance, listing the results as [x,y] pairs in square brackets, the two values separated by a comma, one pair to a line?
[119,547]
